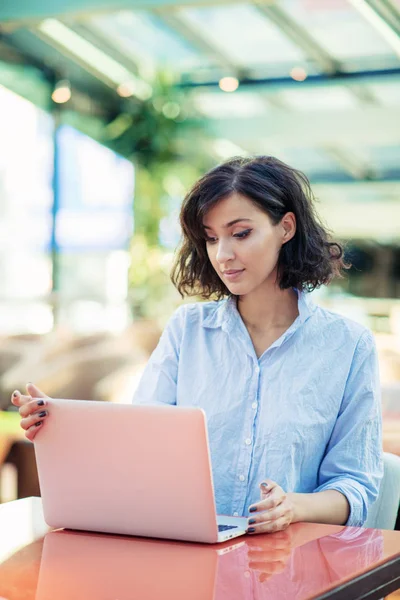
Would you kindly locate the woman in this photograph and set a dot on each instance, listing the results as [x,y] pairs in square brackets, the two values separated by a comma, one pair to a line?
[290,390]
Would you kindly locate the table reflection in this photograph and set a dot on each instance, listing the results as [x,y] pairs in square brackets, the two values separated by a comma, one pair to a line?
[279,566]
[296,564]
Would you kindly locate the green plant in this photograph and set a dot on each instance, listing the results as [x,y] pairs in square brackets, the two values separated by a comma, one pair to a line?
[157,134]
[152,294]
[148,130]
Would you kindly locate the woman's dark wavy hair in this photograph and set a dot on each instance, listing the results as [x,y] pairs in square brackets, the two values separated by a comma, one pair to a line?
[309,260]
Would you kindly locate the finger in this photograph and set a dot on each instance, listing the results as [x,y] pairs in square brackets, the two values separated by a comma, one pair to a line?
[280,539]
[34,391]
[267,486]
[18,399]
[258,521]
[32,431]
[32,406]
[275,497]
[33,419]
[267,515]
[269,568]
[266,575]
[271,526]
[270,555]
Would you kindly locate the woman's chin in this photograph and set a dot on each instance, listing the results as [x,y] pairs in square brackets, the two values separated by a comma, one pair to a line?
[237,289]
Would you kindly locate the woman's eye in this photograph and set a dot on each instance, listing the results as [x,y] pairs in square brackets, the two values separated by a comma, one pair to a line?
[242,234]
[211,240]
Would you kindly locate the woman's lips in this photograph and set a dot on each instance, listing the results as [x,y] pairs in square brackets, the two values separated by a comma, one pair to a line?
[233,274]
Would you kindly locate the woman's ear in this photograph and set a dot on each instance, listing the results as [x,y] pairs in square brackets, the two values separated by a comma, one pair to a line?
[288,224]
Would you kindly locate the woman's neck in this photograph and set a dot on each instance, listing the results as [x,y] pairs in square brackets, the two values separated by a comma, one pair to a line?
[268,308]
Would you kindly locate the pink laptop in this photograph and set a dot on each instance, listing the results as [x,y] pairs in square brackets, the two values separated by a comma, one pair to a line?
[127,469]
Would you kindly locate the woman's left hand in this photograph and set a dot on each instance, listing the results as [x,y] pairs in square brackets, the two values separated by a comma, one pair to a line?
[275,511]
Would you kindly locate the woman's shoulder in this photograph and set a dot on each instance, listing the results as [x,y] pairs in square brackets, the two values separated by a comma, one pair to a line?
[189,320]
[336,324]
[198,313]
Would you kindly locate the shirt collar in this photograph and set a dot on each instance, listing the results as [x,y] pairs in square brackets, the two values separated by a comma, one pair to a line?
[226,313]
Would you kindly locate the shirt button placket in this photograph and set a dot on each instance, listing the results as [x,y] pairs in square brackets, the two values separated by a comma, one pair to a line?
[248,442]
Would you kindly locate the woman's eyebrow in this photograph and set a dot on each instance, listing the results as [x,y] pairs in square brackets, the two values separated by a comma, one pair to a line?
[230,223]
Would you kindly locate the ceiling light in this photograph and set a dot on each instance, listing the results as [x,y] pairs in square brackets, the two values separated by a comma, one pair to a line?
[62,91]
[126,90]
[298,74]
[229,84]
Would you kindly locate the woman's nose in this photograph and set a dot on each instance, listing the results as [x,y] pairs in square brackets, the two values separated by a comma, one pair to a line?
[224,252]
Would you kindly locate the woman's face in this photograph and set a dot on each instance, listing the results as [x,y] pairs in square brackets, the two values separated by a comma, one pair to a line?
[243,244]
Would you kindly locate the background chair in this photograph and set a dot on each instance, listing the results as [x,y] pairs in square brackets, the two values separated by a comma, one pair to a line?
[383,513]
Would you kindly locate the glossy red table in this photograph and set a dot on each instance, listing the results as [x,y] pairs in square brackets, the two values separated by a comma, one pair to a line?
[307,561]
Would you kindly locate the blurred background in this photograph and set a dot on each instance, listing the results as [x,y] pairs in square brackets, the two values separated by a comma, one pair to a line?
[111,109]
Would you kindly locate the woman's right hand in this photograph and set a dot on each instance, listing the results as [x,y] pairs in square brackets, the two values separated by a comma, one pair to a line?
[32,408]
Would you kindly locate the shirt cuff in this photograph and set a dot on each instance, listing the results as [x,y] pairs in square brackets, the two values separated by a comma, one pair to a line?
[354,496]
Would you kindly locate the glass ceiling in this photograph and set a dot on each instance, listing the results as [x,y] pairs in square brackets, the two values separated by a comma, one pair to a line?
[243,35]
[265,41]
[145,38]
[338,47]
[339,28]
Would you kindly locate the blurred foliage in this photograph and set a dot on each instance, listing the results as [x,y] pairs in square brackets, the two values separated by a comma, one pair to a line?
[157,134]
[148,209]
[159,190]
[151,294]
[148,130]
[159,193]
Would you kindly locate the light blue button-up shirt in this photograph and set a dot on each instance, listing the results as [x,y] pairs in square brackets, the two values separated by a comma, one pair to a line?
[306,414]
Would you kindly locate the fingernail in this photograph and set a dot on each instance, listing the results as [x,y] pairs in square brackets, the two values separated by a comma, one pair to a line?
[42,414]
[252,521]
[15,394]
[264,485]
[253,509]
[40,403]
[251,530]
[38,423]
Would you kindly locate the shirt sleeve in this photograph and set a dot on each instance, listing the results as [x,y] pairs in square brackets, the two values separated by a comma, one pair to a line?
[159,379]
[353,461]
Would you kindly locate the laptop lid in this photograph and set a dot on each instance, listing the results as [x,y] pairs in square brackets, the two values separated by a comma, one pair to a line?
[136,470]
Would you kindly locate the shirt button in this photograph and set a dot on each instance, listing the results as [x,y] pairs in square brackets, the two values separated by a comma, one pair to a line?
[254,405]
[247,574]
[241,477]
[235,514]
[247,441]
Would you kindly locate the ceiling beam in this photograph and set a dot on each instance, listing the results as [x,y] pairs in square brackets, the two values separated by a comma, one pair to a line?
[387,12]
[385,20]
[372,126]
[360,209]
[324,80]
[297,34]
[347,190]
[312,49]
[188,33]
[376,220]
[350,162]
[28,10]
[100,41]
